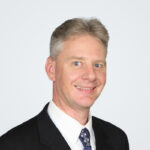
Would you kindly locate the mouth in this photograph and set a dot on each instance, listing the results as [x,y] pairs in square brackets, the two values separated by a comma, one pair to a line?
[85,89]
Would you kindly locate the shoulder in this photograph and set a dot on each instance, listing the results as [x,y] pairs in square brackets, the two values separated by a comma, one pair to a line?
[26,135]
[109,131]
[106,126]
[21,134]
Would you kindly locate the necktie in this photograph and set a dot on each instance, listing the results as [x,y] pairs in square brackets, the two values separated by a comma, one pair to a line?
[85,139]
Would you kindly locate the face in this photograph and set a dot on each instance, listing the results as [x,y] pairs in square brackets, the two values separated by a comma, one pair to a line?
[79,72]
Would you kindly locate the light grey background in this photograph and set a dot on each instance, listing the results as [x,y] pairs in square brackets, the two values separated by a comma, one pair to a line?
[25,29]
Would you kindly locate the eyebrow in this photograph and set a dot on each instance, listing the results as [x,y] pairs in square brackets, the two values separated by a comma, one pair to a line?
[83,58]
[74,57]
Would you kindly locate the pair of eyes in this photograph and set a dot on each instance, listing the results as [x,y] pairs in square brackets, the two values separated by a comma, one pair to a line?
[97,65]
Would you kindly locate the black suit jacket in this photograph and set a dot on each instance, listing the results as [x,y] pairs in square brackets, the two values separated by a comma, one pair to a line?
[40,133]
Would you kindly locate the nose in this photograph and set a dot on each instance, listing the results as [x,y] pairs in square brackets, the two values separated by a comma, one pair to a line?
[89,73]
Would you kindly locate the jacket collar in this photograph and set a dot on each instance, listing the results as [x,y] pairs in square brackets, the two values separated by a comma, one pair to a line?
[48,133]
[100,137]
[52,138]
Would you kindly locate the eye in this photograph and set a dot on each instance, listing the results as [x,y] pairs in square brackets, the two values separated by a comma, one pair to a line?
[98,65]
[77,63]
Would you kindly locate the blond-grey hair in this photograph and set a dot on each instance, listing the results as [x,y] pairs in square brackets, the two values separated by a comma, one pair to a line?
[77,26]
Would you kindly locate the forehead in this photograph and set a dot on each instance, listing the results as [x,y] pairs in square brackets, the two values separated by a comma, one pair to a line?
[82,46]
[83,38]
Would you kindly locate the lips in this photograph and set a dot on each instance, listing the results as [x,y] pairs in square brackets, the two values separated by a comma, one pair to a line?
[84,88]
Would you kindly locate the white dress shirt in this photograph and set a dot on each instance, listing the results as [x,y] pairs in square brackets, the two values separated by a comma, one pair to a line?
[70,128]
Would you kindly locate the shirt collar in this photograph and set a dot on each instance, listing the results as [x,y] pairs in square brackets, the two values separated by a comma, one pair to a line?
[68,126]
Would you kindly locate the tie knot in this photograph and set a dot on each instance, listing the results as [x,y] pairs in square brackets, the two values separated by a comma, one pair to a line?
[85,138]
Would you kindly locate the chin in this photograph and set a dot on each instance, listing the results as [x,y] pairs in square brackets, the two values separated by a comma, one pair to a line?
[86,103]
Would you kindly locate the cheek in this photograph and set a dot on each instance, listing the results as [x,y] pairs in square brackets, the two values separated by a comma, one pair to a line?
[71,77]
[102,78]
[66,77]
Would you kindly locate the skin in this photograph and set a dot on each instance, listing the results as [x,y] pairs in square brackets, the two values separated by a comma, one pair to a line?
[78,75]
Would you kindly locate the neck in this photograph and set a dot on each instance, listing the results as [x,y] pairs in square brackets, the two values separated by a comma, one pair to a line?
[79,114]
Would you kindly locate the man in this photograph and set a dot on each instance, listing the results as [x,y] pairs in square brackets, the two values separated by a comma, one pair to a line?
[77,68]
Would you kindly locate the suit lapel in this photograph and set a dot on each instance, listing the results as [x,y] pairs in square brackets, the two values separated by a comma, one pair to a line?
[49,134]
[100,138]
[51,137]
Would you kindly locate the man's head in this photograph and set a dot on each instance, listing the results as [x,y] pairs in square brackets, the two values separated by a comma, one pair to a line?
[77,26]
[77,63]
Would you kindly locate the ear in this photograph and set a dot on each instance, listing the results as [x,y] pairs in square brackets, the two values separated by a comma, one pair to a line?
[50,68]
